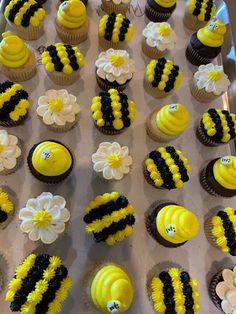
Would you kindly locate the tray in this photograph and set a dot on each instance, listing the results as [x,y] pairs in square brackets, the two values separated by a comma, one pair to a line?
[139,253]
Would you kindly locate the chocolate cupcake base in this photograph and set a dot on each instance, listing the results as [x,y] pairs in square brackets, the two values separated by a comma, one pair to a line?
[106,85]
[156,13]
[147,177]
[212,289]
[203,138]
[14,123]
[208,232]
[108,131]
[194,58]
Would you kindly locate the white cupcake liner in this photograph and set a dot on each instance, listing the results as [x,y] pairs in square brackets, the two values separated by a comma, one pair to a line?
[191,21]
[110,7]
[200,94]
[60,78]
[106,44]
[152,52]
[154,91]
[28,33]
[61,128]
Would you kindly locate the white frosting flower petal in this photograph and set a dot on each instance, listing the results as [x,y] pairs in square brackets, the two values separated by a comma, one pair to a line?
[58,201]
[4,138]
[107,173]
[98,166]
[26,213]
[226,307]
[9,162]
[9,150]
[48,236]
[26,225]
[58,227]
[41,110]
[34,234]
[65,215]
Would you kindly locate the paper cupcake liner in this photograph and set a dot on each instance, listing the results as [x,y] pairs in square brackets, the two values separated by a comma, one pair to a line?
[105,85]
[191,21]
[4,272]
[208,232]
[212,289]
[60,78]
[155,16]
[110,7]
[203,138]
[205,185]
[108,131]
[200,94]
[152,52]
[27,33]
[72,36]
[11,123]
[106,44]
[61,128]
[154,91]
[194,58]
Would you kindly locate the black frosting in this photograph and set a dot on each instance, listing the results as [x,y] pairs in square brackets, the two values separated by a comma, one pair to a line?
[187,291]
[198,6]
[228,232]
[71,55]
[110,27]
[168,292]
[3,216]
[182,170]
[15,9]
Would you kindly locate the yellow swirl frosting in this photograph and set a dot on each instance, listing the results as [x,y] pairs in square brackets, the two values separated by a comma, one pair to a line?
[13,51]
[51,158]
[111,289]
[72,14]
[172,119]
[166,3]
[224,171]
[212,35]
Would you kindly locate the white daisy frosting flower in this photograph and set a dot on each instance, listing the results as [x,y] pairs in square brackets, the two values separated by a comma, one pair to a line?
[58,107]
[212,78]
[44,217]
[112,160]
[160,35]
[115,66]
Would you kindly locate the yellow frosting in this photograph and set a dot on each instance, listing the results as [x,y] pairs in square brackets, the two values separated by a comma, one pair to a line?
[203,9]
[72,14]
[224,171]
[212,35]
[166,3]
[51,159]
[6,204]
[176,224]
[172,119]
[112,283]
[13,51]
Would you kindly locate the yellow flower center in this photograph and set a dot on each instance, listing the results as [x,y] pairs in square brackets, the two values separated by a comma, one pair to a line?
[1,148]
[55,104]
[164,30]
[214,75]
[114,161]
[116,60]
[42,219]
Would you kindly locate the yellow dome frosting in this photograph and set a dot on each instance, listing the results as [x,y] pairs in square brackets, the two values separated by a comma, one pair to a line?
[166,3]
[51,159]
[13,51]
[111,288]
[72,14]
[224,171]
[172,119]
[212,35]
[176,224]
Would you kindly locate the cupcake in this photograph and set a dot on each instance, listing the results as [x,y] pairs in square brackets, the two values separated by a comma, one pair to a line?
[112,111]
[116,6]
[25,18]
[62,63]
[117,292]
[50,161]
[114,69]
[216,127]
[166,168]
[162,77]
[220,230]
[72,24]
[198,13]
[174,291]
[41,283]
[205,44]
[6,209]
[167,123]
[209,82]
[14,104]
[17,60]
[109,218]
[44,217]
[115,31]
[58,110]
[158,39]
[85,2]
[159,10]
[112,161]
[10,153]
[218,177]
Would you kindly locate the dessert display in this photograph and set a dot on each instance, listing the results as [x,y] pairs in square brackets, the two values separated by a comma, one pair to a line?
[170,224]
[109,218]
[167,123]
[112,111]
[116,6]
[205,45]
[25,18]
[50,161]
[62,63]
[220,230]
[166,168]
[162,78]
[115,31]
[110,289]
[41,283]
[159,10]
[218,176]
[14,104]
[174,291]
[6,208]
[17,60]
[158,39]
[58,110]
[216,127]
[114,69]
[72,23]
[112,161]
[198,13]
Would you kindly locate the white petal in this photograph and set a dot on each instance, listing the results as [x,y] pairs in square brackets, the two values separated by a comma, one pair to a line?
[44,201]
[32,204]
[4,138]
[48,236]
[26,213]
[107,173]
[41,110]
[70,117]
[55,212]
[127,161]
[58,201]
[124,151]
[47,117]
[51,93]
[65,215]
[118,174]
[58,119]
[43,101]
[99,166]
[12,140]
[34,234]
[221,289]
[9,163]
[58,227]
[115,148]
[226,307]
[27,225]
[99,157]
[228,276]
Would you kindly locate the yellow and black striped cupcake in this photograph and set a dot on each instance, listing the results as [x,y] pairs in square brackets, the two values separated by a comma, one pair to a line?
[110,218]
[6,208]
[62,63]
[14,104]
[216,127]
[114,31]
[25,18]
[166,168]
[162,77]
[40,285]
[112,111]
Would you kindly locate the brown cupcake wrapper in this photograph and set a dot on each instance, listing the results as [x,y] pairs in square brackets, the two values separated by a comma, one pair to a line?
[60,78]
[212,289]
[203,138]
[61,128]
[191,21]
[110,7]
[106,44]
[194,58]
[104,85]
[152,52]
[5,223]
[108,132]
[156,16]
[154,91]
[205,185]
[12,123]
[208,232]
[200,94]
[27,33]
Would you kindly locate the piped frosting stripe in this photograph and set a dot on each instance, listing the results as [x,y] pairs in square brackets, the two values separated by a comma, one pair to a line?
[204,10]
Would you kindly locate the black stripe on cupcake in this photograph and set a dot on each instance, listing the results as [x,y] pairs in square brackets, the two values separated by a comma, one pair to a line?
[168,292]
[187,292]
[124,29]
[172,77]
[106,109]
[158,71]
[3,216]
[182,170]
[15,9]
[124,109]
[109,26]
[230,123]
[208,9]
[58,65]
[30,13]
[71,56]
[228,232]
